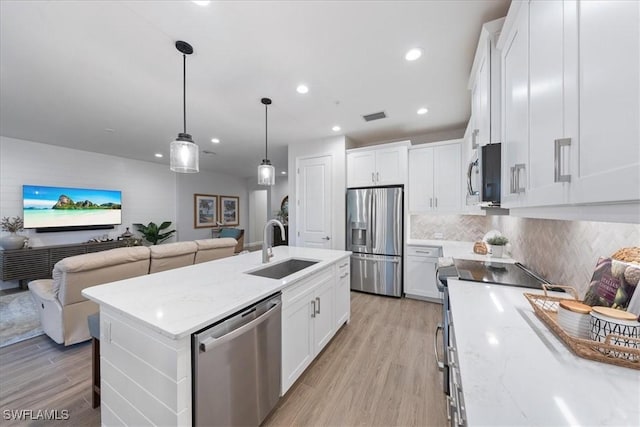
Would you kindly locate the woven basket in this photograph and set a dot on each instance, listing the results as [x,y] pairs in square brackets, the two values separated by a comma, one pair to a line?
[628,254]
[546,308]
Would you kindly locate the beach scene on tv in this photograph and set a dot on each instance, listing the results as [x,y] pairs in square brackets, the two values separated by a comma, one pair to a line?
[61,207]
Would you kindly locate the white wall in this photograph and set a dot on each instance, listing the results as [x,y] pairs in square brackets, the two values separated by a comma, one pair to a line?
[278,192]
[334,147]
[258,215]
[207,183]
[148,189]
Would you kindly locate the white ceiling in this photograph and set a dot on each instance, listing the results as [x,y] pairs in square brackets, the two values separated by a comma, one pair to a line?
[104,76]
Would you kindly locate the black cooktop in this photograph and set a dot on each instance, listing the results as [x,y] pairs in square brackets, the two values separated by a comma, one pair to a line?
[499,273]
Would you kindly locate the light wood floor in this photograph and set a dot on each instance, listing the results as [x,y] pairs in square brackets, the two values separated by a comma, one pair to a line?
[378,370]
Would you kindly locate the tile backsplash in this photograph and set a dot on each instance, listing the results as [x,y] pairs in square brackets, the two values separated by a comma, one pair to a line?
[564,252]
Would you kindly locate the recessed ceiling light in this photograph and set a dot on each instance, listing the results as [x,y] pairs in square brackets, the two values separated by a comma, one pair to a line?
[413,54]
[302,89]
[202,2]
[283,172]
[423,110]
[336,128]
[158,155]
[215,140]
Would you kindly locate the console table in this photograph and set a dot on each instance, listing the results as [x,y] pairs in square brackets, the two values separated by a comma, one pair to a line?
[38,262]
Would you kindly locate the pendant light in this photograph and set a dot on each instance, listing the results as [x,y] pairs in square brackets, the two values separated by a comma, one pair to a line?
[266,172]
[184,153]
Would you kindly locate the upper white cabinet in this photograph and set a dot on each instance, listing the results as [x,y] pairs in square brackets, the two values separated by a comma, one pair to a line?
[515,110]
[434,178]
[484,84]
[571,104]
[553,100]
[385,165]
[606,166]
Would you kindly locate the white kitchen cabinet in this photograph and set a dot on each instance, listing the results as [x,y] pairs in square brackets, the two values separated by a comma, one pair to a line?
[553,100]
[484,84]
[434,178]
[312,311]
[385,165]
[606,168]
[343,293]
[515,111]
[421,280]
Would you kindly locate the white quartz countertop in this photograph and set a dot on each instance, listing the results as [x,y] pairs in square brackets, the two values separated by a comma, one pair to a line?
[181,301]
[458,249]
[516,372]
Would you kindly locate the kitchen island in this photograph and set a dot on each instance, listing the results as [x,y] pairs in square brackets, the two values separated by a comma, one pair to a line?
[514,371]
[146,325]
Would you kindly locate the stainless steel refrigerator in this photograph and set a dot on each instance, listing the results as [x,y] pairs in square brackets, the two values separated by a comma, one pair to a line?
[375,236]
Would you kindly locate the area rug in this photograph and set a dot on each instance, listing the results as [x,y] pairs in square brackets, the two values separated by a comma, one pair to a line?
[19,319]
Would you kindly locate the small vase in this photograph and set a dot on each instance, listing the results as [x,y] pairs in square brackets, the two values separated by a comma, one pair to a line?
[12,241]
[496,251]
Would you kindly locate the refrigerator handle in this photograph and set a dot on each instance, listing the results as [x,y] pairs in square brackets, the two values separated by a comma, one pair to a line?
[373,219]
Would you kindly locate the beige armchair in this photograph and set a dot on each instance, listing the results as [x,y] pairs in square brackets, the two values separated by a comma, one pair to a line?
[63,310]
[172,255]
[211,249]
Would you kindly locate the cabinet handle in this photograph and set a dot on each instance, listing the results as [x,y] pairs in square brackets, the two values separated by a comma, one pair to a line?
[430,202]
[474,138]
[313,308]
[378,176]
[519,167]
[450,405]
[424,252]
[344,265]
[436,202]
[558,160]
[512,185]
[373,177]
[318,299]
[435,347]
[343,276]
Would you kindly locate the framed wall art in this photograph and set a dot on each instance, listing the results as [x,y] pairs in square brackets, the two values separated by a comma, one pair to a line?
[205,211]
[230,210]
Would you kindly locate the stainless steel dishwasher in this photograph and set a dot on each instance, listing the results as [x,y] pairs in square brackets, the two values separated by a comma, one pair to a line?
[236,367]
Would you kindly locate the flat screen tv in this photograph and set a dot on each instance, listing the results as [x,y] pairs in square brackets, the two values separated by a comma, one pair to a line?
[63,208]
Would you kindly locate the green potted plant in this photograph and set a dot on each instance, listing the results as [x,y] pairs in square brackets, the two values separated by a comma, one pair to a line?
[13,240]
[496,245]
[153,233]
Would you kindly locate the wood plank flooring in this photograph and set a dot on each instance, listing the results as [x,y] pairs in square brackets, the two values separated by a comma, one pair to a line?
[378,371]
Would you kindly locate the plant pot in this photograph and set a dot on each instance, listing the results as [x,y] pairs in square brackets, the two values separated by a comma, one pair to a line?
[12,241]
[496,251]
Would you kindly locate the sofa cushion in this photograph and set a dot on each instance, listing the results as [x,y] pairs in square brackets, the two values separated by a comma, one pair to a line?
[108,258]
[169,250]
[224,242]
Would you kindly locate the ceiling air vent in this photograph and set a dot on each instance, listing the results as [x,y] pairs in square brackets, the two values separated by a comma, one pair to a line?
[374,116]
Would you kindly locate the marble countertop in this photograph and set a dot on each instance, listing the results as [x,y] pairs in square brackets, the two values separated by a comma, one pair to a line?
[516,372]
[181,301]
[458,249]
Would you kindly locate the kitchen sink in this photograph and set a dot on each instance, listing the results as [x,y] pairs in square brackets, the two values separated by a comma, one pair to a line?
[283,269]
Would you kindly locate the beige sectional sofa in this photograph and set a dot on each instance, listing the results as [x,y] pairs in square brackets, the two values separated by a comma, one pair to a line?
[63,309]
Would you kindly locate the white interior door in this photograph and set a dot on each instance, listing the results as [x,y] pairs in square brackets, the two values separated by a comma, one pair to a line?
[257,214]
[314,202]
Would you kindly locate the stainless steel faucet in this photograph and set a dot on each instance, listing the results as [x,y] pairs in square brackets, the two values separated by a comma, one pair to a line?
[266,249]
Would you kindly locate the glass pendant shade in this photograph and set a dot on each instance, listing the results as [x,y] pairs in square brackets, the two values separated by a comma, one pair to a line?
[184,155]
[266,173]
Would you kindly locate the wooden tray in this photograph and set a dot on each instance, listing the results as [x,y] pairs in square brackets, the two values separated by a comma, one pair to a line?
[546,308]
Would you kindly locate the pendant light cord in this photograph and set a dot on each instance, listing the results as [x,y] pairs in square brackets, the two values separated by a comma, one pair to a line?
[266,126]
[184,92]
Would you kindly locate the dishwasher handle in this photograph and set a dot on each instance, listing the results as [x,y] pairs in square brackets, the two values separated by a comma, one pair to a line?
[209,343]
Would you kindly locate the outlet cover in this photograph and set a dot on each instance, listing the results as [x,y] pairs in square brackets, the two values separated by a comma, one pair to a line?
[438,235]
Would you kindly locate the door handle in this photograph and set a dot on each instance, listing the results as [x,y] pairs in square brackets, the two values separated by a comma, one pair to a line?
[326,238]
[313,308]
[318,300]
